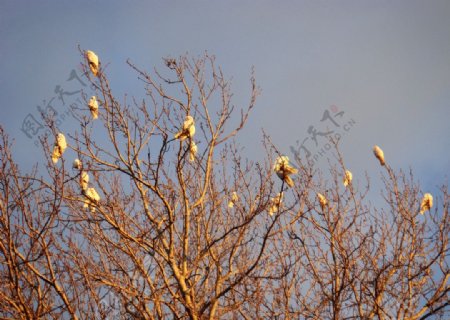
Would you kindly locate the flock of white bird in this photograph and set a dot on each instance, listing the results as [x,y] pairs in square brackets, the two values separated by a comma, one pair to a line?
[281,167]
[93,62]
[284,171]
[233,200]
[92,197]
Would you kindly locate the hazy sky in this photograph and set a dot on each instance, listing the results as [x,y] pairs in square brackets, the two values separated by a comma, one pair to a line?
[386,64]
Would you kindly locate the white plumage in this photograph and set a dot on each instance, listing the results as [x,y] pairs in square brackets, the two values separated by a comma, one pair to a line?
[284,170]
[93,107]
[93,61]
[322,200]
[84,180]
[379,154]
[427,203]
[188,129]
[275,203]
[233,200]
[76,164]
[192,151]
[92,199]
[348,177]
[59,147]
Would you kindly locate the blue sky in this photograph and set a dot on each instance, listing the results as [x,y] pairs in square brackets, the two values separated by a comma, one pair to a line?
[385,64]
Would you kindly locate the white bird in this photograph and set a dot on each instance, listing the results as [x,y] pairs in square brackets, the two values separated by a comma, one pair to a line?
[93,61]
[92,199]
[379,154]
[93,107]
[192,151]
[348,177]
[427,203]
[275,203]
[188,129]
[284,170]
[84,180]
[233,200]
[59,147]
[322,200]
[76,164]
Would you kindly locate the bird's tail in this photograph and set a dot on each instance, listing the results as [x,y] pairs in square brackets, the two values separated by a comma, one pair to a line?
[289,181]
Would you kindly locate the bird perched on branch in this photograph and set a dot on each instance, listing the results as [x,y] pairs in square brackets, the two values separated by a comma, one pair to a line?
[284,170]
[322,200]
[348,177]
[188,129]
[93,107]
[84,180]
[76,164]
[427,203]
[275,203]
[192,151]
[233,200]
[93,61]
[379,154]
[59,147]
[92,199]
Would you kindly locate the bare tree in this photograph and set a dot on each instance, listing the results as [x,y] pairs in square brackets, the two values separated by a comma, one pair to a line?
[160,217]
[35,283]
